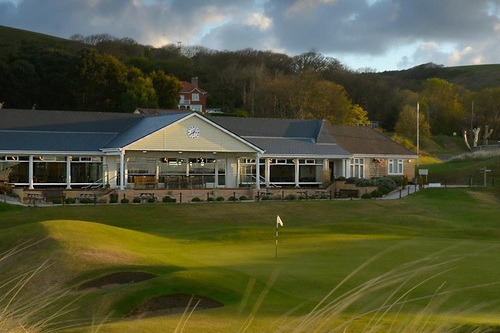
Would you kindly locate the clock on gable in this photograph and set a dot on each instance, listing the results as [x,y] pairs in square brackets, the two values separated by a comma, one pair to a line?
[193,132]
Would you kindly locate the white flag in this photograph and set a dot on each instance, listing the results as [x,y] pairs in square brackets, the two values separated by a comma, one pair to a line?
[278,221]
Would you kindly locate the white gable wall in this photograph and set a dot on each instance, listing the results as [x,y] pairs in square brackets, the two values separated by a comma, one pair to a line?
[175,138]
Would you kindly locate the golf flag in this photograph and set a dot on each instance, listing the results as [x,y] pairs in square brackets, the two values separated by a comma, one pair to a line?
[278,221]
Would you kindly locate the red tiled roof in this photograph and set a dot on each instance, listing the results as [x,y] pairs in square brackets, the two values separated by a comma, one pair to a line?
[188,87]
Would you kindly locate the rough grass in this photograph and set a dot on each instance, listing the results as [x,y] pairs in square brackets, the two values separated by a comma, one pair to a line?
[226,252]
[461,168]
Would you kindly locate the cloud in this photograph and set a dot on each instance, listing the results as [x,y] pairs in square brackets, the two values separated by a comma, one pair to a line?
[350,28]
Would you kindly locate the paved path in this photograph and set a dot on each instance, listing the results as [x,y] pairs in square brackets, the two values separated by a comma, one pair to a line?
[410,189]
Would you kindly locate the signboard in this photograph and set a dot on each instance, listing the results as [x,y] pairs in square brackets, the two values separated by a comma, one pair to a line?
[423,172]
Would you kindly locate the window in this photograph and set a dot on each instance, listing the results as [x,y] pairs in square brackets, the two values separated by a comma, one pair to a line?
[358,168]
[395,167]
[195,97]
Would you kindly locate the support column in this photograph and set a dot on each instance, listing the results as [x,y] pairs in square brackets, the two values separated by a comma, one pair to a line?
[297,169]
[238,170]
[105,175]
[122,170]
[30,173]
[267,172]
[257,171]
[325,171]
[68,172]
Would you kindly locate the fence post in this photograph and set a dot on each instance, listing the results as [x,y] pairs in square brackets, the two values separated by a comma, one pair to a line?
[330,194]
[282,195]
[208,196]
[307,196]
[400,193]
[180,197]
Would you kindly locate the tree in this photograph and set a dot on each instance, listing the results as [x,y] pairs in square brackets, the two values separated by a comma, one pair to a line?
[102,81]
[167,89]
[487,108]
[407,123]
[140,93]
[441,101]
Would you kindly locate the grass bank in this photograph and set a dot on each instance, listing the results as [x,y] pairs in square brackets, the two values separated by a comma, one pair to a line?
[438,247]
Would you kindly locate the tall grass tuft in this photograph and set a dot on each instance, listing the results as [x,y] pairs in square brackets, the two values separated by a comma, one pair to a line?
[476,156]
[21,313]
[394,310]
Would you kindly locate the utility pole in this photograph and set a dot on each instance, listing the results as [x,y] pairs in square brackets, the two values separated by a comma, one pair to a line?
[418,133]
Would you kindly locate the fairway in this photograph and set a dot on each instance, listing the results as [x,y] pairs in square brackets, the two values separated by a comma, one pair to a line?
[430,259]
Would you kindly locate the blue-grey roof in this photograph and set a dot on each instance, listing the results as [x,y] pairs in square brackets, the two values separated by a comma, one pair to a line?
[297,147]
[143,128]
[53,141]
[270,127]
[284,136]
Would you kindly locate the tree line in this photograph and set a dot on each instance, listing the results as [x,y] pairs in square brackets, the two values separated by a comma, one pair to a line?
[104,73]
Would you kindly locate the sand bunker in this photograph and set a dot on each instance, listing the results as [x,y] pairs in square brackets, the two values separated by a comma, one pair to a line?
[176,303]
[115,279]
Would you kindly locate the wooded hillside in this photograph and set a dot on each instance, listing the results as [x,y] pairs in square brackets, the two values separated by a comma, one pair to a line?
[104,73]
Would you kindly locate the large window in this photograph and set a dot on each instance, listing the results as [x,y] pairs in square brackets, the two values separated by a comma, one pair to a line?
[395,166]
[310,171]
[14,169]
[282,171]
[85,170]
[195,97]
[358,168]
[49,169]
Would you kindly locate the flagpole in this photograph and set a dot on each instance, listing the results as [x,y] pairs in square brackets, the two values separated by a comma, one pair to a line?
[276,256]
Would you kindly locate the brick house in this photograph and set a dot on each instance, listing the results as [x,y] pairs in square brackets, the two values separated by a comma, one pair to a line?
[192,97]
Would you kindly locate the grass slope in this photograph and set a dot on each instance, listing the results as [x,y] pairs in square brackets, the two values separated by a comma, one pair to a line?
[226,252]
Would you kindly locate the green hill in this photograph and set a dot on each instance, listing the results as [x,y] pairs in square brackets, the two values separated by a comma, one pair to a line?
[11,39]
[423,249]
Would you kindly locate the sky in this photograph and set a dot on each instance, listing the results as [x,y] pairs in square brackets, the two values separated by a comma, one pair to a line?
[362,34]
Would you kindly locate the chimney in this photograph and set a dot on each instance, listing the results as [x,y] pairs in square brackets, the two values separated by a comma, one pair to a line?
[194,81]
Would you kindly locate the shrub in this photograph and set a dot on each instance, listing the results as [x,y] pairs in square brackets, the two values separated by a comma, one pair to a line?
[313,197]
[376,194]
[383,190]
[341,178]
[366,196]
[136,200]
[351,180]
[195,199]
[323,197]
[69,201]
[210,199]
[386,182]
[220,199]
[397,180]
[364,182]
[290,197]
[85,201]
[265,198]
[243,198]
[57,201]
[168,199]
[151,200]
[113,198]
[124,201]
[232,198]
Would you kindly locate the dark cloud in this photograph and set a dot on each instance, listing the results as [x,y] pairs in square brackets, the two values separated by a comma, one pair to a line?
[355,28]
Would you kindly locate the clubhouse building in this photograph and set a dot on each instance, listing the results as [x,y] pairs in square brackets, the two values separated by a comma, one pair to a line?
[187,151]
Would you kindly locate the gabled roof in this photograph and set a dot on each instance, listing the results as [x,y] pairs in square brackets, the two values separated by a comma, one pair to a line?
[60,131]
[143,128]
[285,137]
[365,141]
[188,87]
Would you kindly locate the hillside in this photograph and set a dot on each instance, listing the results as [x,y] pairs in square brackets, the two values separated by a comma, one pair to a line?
[11,39]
